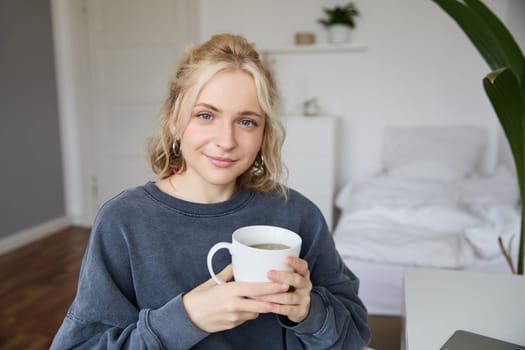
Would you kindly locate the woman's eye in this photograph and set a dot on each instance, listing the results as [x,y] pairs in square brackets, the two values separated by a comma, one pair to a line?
[204,116]
[248,123]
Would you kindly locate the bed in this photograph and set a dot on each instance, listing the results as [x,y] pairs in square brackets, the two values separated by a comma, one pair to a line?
[430,206]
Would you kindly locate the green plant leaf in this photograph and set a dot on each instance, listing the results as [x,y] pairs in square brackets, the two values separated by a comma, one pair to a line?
[521,253]
[478,31]
[505,86]
[508,99]
[504,91]
[340,15]
[522,94]
[510,48]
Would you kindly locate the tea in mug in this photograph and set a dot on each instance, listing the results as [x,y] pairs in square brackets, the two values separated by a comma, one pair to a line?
[270,246]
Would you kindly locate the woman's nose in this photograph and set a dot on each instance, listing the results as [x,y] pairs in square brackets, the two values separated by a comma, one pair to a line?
[225,137]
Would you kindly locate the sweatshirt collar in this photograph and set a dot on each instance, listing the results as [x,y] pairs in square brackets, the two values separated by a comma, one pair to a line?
[235,203]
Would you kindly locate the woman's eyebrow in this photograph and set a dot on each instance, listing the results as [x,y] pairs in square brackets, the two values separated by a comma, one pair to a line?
[241,113]
[209,106]
[251,113]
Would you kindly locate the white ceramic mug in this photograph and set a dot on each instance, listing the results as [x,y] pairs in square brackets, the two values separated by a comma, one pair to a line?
[251,263]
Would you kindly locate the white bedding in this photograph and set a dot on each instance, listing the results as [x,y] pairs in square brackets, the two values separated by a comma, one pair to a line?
[434,223]
[429,207]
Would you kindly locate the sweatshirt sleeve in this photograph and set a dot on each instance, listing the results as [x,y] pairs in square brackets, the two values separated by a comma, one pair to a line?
[337,317]
[104,313]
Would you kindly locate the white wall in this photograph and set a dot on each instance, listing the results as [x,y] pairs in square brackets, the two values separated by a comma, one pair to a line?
[418,68]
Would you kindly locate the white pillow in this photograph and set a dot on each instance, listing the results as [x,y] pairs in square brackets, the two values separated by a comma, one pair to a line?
[429,170]
[433,152]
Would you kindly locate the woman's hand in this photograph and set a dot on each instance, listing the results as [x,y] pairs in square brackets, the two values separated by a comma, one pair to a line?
[295,304]
[214,308]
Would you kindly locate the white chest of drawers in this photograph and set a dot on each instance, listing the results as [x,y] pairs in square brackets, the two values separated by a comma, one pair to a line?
[310,153]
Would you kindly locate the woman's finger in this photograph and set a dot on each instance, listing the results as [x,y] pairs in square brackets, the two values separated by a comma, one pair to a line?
[298,265]
[283,298]
[291,279]
[255,289]
[225,275]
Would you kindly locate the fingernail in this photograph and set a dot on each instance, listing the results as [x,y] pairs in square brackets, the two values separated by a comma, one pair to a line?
[271,274]
[285,287]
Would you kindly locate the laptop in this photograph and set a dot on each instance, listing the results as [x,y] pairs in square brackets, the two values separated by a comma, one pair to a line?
[464,340]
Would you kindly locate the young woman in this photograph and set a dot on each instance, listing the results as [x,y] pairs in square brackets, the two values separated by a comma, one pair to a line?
[144,283]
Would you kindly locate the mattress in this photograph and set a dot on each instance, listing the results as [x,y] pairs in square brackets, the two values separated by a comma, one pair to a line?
[381,284]
[380,288]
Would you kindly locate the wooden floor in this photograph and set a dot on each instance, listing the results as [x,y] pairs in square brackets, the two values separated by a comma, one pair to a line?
[38,283]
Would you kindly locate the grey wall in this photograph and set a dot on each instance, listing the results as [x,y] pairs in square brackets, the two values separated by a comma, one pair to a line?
[31,186]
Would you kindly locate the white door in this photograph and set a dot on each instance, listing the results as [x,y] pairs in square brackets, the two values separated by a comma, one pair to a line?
[134,47]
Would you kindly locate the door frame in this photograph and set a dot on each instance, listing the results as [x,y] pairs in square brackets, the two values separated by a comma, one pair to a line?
[75,102]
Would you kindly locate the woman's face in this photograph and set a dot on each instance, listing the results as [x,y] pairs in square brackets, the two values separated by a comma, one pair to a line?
[224,132]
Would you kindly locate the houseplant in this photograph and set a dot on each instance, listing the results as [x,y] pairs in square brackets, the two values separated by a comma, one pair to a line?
[339,20]
[504,86]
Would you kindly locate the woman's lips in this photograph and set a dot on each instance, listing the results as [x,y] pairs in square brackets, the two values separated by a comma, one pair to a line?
[221,162]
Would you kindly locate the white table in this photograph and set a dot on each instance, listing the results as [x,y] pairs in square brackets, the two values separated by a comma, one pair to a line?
[438,302]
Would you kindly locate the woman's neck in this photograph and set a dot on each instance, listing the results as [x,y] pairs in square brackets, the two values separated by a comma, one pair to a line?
[188,189]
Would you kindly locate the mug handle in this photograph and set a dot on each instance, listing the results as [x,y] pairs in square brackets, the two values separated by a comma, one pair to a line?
[211,253]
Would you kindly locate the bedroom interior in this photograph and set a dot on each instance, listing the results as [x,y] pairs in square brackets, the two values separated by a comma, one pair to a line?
[382,109]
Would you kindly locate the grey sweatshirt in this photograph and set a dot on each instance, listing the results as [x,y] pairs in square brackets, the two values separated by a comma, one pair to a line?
[147,249]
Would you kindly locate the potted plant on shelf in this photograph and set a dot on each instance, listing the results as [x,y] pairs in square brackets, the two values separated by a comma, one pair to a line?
[338,22]
[504,86]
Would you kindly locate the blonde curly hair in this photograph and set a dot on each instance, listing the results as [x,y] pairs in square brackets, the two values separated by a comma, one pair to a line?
[223,52]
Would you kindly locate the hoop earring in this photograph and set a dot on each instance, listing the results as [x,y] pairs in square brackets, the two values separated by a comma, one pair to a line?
[258,164]
[176,149]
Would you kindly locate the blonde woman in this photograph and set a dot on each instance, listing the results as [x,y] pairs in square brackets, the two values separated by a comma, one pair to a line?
[144,282]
